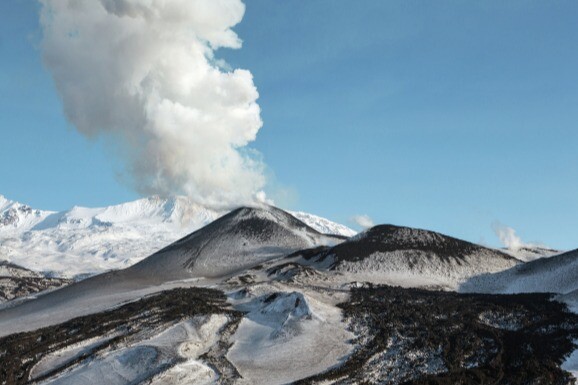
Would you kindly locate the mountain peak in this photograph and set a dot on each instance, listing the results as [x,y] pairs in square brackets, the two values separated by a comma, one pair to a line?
[389,237]
[240,239]
[91,240]
[397,255]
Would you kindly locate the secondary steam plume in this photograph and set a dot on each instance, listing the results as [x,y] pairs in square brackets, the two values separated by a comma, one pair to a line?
[508,236]
[144,73]
[363,221]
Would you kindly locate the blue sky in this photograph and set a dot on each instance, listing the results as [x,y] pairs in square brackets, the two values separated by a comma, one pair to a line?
[443,115]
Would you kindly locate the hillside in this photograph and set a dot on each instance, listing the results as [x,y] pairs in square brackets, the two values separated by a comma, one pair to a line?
[409,257]
[557,274]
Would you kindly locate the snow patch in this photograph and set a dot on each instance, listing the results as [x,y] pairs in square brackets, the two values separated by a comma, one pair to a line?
[286,336]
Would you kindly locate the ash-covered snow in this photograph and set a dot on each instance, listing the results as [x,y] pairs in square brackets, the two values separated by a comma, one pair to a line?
[557,274]
[17,282]
[412,257]
[287,335]
[126,366]
[529,253]
[64,356]
[239,240]
[300,304]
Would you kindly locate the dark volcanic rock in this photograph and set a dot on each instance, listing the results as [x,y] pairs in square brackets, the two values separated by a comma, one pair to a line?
[17,282]
[390,238]
[239,240]
[20,352]
[397,255]
[411,336]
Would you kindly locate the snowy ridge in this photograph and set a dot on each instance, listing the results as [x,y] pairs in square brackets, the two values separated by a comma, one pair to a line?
[92,240]
[15,216]
[413,257]
[239,240]
[11,270]
[529,253]
[557,274]
[323,225]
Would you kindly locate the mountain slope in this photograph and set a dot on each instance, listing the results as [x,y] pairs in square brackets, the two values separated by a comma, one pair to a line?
[557,274]
[92,240]
[239,240]
[323,225]
[258,297]
[15,216]
[411,257]
[17,282]
[529,253]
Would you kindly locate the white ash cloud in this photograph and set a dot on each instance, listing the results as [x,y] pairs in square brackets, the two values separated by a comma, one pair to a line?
[364,221]
[144,74]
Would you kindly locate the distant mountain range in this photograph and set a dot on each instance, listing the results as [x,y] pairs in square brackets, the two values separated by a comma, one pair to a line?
[84,240]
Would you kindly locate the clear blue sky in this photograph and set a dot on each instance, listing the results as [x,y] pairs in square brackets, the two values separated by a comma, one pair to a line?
[446,115]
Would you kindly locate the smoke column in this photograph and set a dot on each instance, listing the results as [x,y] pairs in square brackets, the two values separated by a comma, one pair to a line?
[144,73]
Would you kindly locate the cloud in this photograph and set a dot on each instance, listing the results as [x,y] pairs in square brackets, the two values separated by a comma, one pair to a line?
[143,74]
[363,221]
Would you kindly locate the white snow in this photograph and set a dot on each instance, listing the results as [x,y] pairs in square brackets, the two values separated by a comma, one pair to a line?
[287,335]
[415,268]
[178,347]
[63,356]
[92,240]
[323,225]
[84,240]
[556,274]
[529,253]
[130,365]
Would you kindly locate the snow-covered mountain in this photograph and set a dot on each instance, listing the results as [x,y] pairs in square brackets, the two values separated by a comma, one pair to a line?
[92,240]
[259,297]
[409,257]
[231,244]
[235,242]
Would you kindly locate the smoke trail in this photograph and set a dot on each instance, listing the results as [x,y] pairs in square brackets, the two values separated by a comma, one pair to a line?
[144,73]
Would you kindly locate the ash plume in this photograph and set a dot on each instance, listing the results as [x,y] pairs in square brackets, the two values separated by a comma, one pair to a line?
[143,75]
